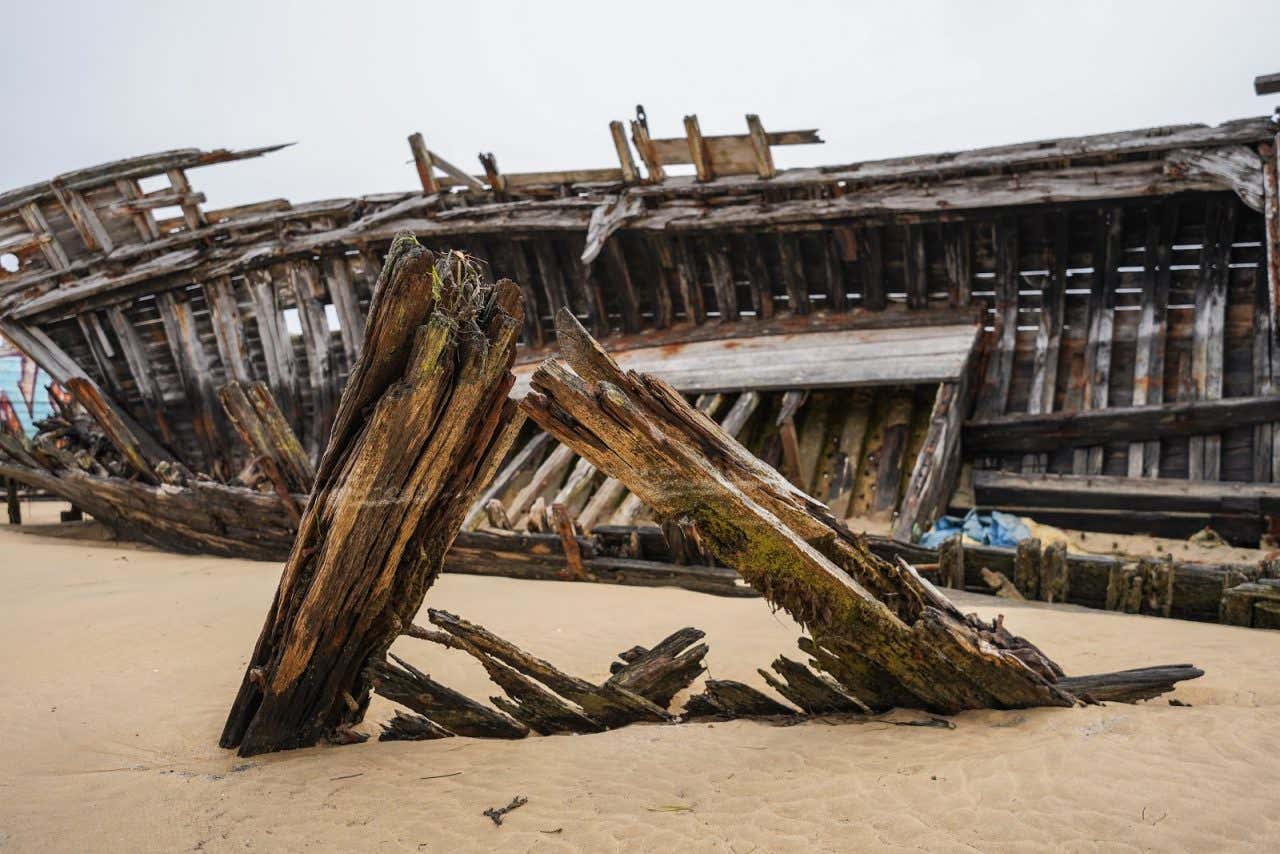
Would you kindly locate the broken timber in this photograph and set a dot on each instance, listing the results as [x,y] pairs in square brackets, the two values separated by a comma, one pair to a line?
[422,424]
[897,641]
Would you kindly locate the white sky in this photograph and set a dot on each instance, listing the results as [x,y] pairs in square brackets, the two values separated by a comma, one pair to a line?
[537,83]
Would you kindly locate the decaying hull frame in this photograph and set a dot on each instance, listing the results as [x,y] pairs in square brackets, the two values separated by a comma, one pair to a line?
[1115,272]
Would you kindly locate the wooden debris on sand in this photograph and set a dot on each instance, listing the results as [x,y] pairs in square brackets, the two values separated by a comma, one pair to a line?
[892,639]
[423,423]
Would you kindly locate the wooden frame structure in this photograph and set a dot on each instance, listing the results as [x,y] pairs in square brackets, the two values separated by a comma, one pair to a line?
[1109,273]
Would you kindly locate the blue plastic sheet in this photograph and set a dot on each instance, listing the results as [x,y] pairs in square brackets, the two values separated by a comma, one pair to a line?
[989,529]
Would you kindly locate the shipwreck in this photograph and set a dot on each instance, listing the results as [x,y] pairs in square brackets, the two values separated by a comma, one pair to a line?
[1082,330]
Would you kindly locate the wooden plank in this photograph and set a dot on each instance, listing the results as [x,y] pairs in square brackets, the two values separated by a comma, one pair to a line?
[915,267]
[142,371]
[673,257]
[837,291]
[620,276]
[647,151]
[143,219]
[871,269]
[786,424]
[1205,452]
[197,379]
[553,283]
[346,303]
[937,466]
[228,330]
[100,350]
[758,275]
[277,349]
[698,154]
[994,398]
[423,163]
[1148,375]
[958,260]
[629,173]
[801,360]
[1266,84]
[889,478]
[1044,376]
[760,147]
[659,282]
[308,291]
[586,282]
[83,217]
[791,268]
[717,251]
[1102,304]
[191,213]
[848,454]
[1026,433]
[515,264]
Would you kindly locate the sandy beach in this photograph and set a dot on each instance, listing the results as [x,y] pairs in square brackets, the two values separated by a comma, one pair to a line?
[120,664]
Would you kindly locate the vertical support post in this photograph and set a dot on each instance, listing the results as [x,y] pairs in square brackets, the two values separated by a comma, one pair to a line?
[629,173]
[698,149]
[15,508]
[422,161]
[760,145]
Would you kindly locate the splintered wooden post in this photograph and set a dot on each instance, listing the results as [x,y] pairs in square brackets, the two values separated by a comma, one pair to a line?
[890,637]
[423,423]
[1027,568]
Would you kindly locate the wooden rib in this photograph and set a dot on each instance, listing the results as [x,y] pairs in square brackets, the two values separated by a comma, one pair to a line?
[143,219]
[1102,307]
[142,371]
[698,149]
[833,268]
[422,162]
[848,454]
[760,146]
[620,275]
[791,268]
[34,219]
[515,264]
[999,374]
[916,267]
[717,251]
[1205,452]
[871,268]
[958,260]
[228,331]
[191,213]
[307,289]
[546,477]
[644,145]
[83,217]
[553,284]
[193,371]
[786,424]
[758,274]
[346,303]
[897,424]
[1148,374]
[523,460]
[1044,377]
[629,173]
[277,349]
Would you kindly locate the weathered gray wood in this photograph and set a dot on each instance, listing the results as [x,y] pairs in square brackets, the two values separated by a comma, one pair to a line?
[1023,433]
[1148,378]
[993,399]
[1044,377]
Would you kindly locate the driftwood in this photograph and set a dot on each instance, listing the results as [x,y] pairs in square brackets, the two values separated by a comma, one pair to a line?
[897,639]
[422,425]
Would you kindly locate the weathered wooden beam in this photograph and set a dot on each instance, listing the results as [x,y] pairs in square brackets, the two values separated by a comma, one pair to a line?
[1149,359]
[1025,433]
[1208,332]
[1266,84]
[628,164]
[424,422]
[1102,492]
[423,163]
[760,147]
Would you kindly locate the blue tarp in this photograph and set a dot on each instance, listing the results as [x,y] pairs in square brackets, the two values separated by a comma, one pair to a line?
[989,529]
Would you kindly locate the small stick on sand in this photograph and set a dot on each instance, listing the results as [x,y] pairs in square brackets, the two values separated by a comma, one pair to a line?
[497,813]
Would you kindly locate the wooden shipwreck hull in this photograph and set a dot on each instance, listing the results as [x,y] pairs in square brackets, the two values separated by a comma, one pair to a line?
[1087,323]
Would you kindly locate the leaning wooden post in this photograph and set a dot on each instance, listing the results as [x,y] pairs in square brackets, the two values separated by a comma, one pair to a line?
[423,422]
[1028,569]
[889,637]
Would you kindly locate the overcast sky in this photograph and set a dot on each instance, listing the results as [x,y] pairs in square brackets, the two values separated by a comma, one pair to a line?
[537,83]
